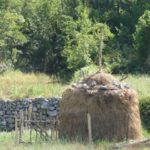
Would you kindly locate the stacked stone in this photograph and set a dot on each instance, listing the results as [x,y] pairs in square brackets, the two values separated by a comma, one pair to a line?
[43,109]
[93,84]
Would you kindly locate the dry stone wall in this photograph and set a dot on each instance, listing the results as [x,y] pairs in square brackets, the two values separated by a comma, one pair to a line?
[43,108]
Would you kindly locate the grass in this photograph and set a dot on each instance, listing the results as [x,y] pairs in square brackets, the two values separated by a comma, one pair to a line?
[7,142]
[146,133]
[141,83]
[15,84]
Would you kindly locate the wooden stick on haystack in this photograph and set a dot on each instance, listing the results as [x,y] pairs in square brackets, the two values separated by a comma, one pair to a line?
[101,51]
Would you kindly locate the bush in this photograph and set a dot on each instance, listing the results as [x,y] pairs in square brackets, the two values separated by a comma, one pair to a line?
[141,39]
[145,112]
[83,72]
[5,67]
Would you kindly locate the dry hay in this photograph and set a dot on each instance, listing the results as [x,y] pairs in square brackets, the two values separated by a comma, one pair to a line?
[114,109]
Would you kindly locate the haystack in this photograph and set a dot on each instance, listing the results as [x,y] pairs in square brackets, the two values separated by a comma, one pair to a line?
[113,106]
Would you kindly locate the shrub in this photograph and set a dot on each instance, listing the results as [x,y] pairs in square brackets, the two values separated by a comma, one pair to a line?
[141,40]
[83,72]
[5,67]
[145,112]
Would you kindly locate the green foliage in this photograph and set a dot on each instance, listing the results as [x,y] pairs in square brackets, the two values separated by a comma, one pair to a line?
[42,27]
[141,39]
[11,36]
[84,72]
[145,112]
[57,36]
[79,40]
[82,39]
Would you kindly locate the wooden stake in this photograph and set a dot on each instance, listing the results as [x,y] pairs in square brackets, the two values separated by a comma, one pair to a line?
[26,118]
[16,130]
[30,128]
[101,51]
[40,123]
[89,128]
[34,119]
[21,126]
[56,127]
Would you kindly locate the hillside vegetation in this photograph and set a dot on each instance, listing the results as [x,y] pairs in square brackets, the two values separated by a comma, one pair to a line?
[61,36]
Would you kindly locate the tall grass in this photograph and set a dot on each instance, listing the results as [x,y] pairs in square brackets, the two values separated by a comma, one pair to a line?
[7,142]
[16,84]
[141,83]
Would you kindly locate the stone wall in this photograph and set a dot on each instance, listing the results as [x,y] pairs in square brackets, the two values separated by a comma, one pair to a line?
[44,108]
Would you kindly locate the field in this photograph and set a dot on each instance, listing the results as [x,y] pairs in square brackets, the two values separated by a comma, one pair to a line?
[7,143]
[14,85]
[20,85]
[140,83]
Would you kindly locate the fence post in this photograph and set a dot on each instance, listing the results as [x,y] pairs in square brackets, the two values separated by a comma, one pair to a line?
[56,127]
[89,128]
[26,118]
[16,130]
[30,128]
[21,125]
[40,124]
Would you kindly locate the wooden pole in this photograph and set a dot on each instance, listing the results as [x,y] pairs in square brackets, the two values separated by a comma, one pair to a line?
[36,137]
[30,128]
[40,124]
[16,130]
[89,128]
[26,118]
[56,127]
[21,126]
[22,116]
[101,51]
[36,122]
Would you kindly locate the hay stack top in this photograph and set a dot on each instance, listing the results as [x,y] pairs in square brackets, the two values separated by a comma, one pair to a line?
[100,82]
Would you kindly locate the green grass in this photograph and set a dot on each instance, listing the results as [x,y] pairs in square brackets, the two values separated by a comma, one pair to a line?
[141,83]
[146,133]
[7,142]
[16,84]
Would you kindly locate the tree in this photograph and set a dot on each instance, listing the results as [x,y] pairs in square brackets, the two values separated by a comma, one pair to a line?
[141,38]
[79,41]
[82,39]
[58,35]
[43,51]
[11,36]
